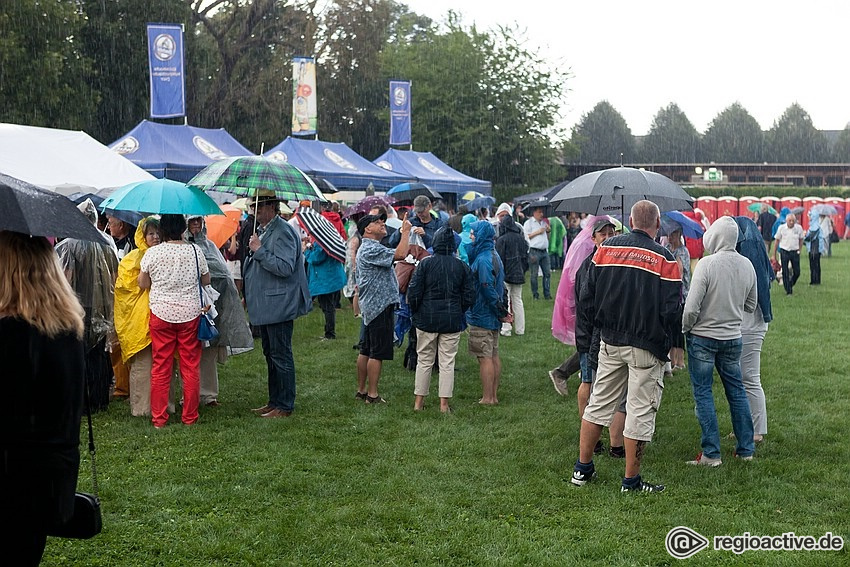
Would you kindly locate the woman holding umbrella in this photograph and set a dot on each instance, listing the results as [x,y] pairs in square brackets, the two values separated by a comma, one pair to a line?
[175,313]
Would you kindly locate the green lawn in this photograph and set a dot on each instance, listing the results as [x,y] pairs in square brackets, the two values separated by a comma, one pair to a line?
[346,483]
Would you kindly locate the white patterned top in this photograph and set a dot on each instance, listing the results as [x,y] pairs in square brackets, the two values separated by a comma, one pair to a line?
[175,293]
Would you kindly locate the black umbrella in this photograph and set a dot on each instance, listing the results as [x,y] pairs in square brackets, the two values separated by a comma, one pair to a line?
[324,185]
[31,210]
[613,192]
[409,191]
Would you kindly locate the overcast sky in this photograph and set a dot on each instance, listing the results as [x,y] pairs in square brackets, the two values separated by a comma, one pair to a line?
[704,56]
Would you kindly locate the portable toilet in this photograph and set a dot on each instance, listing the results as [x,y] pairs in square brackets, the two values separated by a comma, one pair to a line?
[790,202]
[727,206]
[744,207]
[838,218]
[708,206]
[808,203]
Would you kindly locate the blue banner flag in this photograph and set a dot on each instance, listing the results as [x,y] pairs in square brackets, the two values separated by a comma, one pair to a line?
[400,113]
[165,53]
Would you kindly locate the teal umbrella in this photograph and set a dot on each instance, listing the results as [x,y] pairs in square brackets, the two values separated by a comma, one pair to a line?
[756,208]
[162,196]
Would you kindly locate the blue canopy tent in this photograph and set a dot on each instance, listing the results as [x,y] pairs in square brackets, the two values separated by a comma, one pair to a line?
[430,170]
[336,162]
[176,151]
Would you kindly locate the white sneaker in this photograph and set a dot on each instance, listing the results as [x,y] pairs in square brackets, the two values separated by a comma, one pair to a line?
[704,461]
[505,333]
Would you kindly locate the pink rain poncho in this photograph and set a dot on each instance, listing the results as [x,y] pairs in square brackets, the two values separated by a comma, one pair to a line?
[564,315]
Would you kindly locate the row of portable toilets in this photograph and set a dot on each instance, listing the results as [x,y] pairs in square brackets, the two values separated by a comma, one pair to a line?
[714,207]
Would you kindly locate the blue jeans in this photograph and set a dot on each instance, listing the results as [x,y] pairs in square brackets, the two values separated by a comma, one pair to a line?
[539,258]
[704,355]
[277,348]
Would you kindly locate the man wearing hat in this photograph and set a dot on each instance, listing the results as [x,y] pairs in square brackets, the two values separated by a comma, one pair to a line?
[423,222]
[378,294]
[276,293]
[537,231]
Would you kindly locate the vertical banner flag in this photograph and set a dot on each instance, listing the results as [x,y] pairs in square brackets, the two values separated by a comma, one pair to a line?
[165,54]
[304,108]
[400,113]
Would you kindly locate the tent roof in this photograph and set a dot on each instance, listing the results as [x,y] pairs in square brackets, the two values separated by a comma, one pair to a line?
[429,169]
[336,162]
[176,151]
[49,157]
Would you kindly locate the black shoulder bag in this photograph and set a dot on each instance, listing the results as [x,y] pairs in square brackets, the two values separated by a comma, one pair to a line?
[86,521]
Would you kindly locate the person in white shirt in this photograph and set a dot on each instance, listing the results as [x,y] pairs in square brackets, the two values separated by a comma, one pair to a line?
[789,241]
[536,230]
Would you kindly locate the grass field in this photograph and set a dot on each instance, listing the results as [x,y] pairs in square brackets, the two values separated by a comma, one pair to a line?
[344,483]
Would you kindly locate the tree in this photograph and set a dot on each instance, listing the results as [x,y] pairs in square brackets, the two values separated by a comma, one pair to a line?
[602,135]
[671,139]
[734,136]
[794,139]
[841,151]
[45,76]
[481,101]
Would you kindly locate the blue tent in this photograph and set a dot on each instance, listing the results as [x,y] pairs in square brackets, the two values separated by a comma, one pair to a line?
[336,162]
[176,151]
[428,169]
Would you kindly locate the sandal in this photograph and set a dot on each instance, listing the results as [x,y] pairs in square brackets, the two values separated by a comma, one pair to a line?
[375,400]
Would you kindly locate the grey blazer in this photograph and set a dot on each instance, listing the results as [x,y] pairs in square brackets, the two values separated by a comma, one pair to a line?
[274,280]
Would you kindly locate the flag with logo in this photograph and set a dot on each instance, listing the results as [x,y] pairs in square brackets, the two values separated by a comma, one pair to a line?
[165,55]
[304,107]
[400,113]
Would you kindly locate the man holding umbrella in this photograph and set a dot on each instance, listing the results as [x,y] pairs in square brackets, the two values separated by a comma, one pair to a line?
[276,293]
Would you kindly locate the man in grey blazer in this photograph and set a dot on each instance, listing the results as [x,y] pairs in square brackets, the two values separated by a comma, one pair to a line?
[276,293]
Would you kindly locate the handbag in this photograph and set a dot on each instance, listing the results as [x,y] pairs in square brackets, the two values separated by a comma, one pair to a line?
[206,326]
[86,522]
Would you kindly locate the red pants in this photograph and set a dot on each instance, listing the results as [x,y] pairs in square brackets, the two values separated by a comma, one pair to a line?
[165,339]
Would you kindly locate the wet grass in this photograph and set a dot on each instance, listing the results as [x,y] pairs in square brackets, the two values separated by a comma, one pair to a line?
[343,483]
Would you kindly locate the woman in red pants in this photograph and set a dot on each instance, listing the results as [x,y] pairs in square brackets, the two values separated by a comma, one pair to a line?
[171,271]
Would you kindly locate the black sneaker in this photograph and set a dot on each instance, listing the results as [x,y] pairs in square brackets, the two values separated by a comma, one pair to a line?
[617,452]
[599,449]
[580,478]
[641,486]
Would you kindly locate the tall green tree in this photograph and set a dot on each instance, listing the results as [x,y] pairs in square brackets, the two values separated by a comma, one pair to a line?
[602,135]
[794,139]
[481,101]
[45,74]
[733,136]
[841,151]
[672,138]
[115,39]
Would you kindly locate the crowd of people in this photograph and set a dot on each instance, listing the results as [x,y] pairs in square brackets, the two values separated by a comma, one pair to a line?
[121,317]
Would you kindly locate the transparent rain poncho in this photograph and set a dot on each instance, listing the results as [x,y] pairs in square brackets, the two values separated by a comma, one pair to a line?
[91,268]
[231,321]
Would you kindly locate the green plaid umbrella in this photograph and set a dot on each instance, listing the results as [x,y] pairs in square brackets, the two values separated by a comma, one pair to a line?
[248,175]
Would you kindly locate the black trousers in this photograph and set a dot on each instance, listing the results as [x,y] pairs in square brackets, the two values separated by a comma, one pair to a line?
[327,303]
[814,268]
[790,268]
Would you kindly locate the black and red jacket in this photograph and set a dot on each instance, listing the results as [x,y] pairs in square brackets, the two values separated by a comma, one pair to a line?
[632,293]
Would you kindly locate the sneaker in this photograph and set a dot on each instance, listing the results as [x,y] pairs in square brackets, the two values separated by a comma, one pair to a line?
[641,486]
[617,452]
[580,478]
[559,383]
[600,448]
[375,400]
[746,458]
[361,396]
[505,333]
[704,461]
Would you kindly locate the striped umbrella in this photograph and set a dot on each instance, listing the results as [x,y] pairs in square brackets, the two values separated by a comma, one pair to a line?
[322,231]
[249,175]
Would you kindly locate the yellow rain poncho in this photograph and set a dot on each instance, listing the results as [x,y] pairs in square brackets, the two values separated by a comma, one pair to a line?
[132,306]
